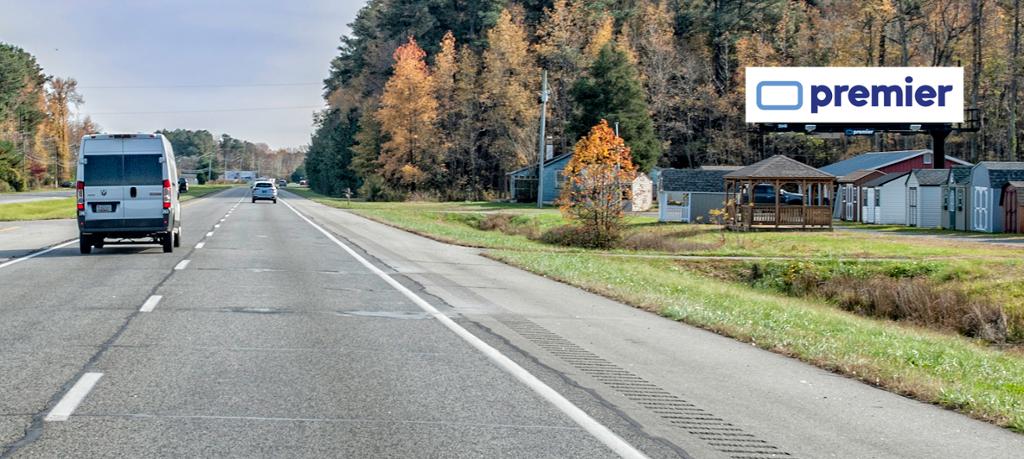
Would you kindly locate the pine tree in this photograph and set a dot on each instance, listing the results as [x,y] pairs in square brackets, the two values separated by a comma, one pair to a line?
[612,91]
[409,156]
[509,102]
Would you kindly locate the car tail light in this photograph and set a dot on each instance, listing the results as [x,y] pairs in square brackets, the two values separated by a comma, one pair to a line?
[167,194]
[80,194]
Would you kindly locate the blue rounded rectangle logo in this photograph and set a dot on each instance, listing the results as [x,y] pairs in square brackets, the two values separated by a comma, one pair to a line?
[775,105]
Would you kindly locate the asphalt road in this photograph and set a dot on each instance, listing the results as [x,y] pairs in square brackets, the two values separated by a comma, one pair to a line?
[6,198]
[313,332]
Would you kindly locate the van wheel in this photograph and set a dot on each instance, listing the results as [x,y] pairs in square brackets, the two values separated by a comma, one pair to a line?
[254,200]
[167,243]
[275,200]
[84,244]
[177,238]
[98,242]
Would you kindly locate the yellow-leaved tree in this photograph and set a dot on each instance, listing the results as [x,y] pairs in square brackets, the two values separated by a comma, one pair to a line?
[410,157]
[597,186]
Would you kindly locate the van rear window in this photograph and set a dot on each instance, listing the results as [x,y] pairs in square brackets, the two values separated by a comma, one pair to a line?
[104,170]
[143,170]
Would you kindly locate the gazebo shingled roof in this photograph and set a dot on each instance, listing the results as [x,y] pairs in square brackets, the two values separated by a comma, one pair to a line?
[778,167]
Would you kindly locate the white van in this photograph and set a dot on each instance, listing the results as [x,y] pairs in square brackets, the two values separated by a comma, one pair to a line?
[127,190]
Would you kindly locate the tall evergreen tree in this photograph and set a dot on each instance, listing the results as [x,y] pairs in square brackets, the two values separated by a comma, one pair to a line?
[612,91]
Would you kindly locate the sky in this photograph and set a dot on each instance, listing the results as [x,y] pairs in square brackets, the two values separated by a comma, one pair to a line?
[253,69]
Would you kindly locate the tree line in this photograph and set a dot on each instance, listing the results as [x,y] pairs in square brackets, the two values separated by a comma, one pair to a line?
[39,131]
[440,97]
[200,151]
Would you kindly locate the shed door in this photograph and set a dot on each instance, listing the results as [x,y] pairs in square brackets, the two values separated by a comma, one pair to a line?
[912,206]
[982,198]
[684,207]
[1010,204]
[850,203]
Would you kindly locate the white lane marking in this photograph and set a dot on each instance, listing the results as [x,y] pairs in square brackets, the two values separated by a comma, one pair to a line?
[222,220]
[44,252]
[217,225]
[181,265]
[599,431]
[210,234]
[150,303]
[70,401]
[200,245]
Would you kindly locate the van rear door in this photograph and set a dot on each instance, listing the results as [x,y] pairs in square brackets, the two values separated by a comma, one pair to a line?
[103,171]
[143,180]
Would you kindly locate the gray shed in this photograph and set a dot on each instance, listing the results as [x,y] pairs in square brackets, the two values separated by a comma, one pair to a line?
[689,195]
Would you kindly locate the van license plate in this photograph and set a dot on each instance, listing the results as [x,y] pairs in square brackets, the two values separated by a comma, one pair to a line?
[104,208]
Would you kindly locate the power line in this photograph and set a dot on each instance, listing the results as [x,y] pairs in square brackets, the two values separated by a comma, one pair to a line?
[212,110]
[202,85]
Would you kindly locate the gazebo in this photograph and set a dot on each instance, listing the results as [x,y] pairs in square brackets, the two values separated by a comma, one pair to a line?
[779,192]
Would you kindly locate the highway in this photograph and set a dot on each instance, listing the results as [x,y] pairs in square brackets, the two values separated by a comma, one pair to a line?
[298,330]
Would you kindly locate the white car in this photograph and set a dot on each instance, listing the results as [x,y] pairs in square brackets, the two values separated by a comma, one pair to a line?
[127,190]
[264,190]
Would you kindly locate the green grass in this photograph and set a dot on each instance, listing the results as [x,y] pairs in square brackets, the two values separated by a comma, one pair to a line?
[198,191]
[47,209]
[950,371]
[935,367]
[51,209]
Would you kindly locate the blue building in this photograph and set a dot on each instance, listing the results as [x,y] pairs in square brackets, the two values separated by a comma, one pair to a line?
[522,183]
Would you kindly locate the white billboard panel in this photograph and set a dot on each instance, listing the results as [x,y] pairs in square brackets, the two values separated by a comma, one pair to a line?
[854,94]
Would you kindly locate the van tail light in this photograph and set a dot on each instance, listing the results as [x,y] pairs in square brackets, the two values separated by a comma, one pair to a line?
[167,194]
[80,194]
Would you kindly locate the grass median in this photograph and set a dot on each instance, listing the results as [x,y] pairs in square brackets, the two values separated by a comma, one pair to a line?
[53,209]
[45,209]
[941,367]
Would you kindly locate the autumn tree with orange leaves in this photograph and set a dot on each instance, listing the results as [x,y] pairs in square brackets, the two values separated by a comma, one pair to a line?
[410,157]
[597,186]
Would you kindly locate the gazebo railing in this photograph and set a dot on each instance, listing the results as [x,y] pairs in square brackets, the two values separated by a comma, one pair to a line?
[766,215]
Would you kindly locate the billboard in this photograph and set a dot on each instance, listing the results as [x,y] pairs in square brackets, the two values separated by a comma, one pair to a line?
[854,94]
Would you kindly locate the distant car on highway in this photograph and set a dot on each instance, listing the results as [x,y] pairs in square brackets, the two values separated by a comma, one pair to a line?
[182,185]
[282,183]
[67,184]
[264,190]
[124,191]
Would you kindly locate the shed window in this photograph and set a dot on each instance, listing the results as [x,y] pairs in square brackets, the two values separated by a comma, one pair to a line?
[878,197]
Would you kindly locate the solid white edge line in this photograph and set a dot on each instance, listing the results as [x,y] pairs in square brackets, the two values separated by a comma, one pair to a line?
[598,430]
[200,245]
[181,265]
[44,252]
[70,401]
[150,303]
[210,234]
[217,225]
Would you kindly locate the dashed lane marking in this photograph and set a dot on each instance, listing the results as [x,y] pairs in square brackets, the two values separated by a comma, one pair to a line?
[150,303]
[73,398]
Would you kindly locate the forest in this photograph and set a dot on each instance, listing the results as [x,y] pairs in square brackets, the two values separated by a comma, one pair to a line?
[440,98]
[39,131]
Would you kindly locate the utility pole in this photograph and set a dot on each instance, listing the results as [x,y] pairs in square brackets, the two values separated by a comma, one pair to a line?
[542,150]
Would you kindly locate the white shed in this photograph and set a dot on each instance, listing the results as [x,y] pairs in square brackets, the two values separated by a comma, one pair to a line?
[886,200]
[924,197]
